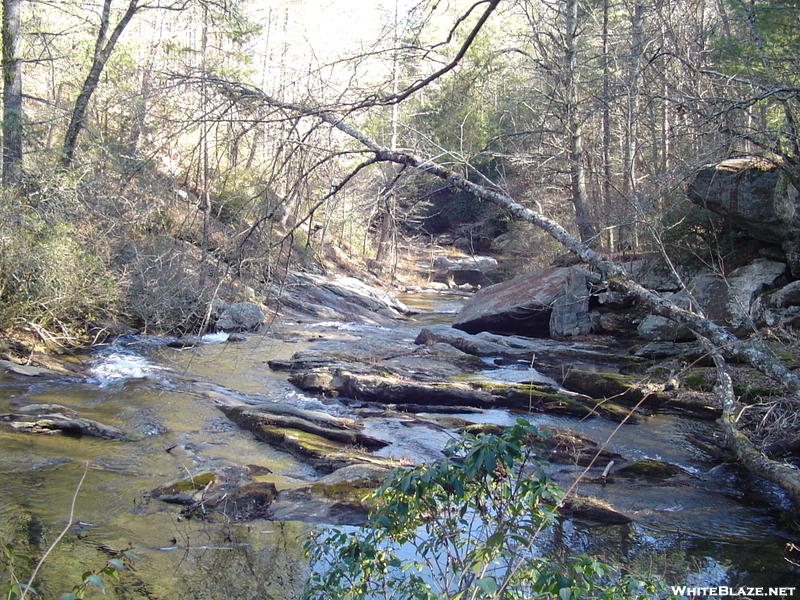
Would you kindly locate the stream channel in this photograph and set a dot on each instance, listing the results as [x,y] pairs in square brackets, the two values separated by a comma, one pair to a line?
[698,533]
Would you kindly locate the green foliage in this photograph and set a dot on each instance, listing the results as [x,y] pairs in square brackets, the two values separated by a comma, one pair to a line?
[18,566]
[463,528]
[16,571]
[97,579]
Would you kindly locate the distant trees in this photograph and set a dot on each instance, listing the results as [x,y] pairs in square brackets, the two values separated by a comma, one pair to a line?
[103,47]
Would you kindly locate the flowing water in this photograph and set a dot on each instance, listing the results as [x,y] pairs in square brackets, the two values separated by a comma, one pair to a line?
[702,532]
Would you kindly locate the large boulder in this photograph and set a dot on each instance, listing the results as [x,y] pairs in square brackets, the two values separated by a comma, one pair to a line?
[727,301]
[756,195]
[240,316]
[553,301]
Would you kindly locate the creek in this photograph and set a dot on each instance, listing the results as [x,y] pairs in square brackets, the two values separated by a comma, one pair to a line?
[699,531]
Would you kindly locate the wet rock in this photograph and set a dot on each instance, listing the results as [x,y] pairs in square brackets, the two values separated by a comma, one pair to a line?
[248,502]
[187,341]
[627,390]
[53,418]
[240,316]
[12,368]
[184,491]
[649,469]
[282,417]
[324,442]
[403,393]
[228,489]
[559,446]
[546,352]
[524,305]
[339,498]
[594,511]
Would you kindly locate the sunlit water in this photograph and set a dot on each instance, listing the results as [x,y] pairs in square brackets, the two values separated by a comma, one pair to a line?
[707,532]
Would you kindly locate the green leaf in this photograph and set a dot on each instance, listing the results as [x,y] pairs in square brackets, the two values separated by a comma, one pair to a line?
[97,582]
[489,585]
[565,593]
[69,596]
[117,564]
[495,539]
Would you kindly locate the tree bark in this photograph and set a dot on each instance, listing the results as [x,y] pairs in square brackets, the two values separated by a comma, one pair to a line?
[104,46]
[12,95]
[577,171]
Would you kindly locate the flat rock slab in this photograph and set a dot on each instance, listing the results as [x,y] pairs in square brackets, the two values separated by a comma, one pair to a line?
[12,368]
[326,445]
[50,419]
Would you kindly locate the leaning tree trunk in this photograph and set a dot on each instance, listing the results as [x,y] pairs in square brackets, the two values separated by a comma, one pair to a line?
[104,46]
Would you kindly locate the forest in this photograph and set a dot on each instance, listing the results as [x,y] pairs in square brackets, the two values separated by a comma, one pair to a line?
[158,155]
[165,149]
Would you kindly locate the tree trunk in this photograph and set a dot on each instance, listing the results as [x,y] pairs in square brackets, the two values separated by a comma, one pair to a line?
[577,170]
[611,223]
[12,95]
[104,46]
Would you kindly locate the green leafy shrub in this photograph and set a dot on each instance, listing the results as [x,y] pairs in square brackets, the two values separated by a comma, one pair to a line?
[463,528]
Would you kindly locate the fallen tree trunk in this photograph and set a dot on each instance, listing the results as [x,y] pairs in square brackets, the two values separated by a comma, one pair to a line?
[751,457]
[722,341]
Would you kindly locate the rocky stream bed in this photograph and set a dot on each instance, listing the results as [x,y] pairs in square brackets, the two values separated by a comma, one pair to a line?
[216,455]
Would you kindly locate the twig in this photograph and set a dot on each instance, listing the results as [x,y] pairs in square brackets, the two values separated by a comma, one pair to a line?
[60,535]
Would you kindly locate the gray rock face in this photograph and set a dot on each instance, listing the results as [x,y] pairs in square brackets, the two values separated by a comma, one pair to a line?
[472,270]
[240,316]
[728,301]
[757,196]
[754,194]
[340,299]
[525,305]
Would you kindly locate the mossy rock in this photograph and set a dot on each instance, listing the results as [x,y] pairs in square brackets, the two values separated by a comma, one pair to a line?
[184,491]
[648,468]
[750,392]
[477,429]
[250,501]
[593,510]
[699,380]
[324,455]
[350,484]
[622,389]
